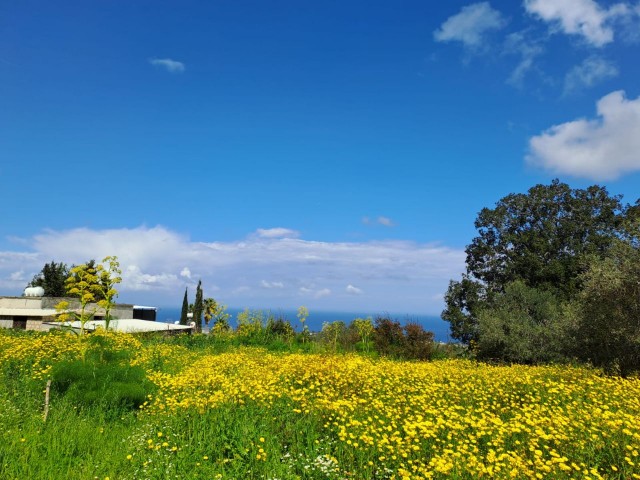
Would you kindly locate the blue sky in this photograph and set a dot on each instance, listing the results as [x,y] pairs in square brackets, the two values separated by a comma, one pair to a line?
[328,154]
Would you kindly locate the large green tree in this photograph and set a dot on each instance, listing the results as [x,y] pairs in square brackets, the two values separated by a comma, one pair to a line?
[542,238]
[52,279]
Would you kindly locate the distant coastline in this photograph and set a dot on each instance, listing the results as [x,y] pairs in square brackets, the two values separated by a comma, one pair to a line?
[316,318]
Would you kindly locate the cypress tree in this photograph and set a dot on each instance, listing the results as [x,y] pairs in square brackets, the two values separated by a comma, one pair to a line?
[198,308]
[185,309]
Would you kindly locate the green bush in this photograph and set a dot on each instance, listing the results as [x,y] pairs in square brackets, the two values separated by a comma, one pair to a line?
[89,382]
[280,329]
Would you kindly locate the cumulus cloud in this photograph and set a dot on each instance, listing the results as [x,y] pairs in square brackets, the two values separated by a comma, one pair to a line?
[168,64]
[579,17]
[599,149]
[470,25]
[351,290]
[277,232]
[136,279]
[590,72]
[392,275]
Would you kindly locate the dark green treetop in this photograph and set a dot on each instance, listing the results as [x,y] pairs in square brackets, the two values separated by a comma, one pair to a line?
[52,278]
[543,238]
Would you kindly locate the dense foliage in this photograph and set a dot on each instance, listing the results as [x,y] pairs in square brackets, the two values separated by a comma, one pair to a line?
[52,279]
[535,290]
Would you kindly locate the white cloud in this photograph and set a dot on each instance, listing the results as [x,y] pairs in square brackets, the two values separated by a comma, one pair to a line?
[579,17]
[591,71]
[185,273]
[351,290]
[170,65]
[136,279]
[325,292]
[517,43]
[277,232]
[393,275]
[386,221]
[470,25]
[17,276]
[600,149]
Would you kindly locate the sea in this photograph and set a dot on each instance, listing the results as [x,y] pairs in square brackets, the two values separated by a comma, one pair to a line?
[316,319]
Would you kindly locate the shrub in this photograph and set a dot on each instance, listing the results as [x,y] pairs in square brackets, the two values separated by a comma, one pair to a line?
[251,327]
[418,343]
[280,328]
[332,334]
[91,383]
[388,337]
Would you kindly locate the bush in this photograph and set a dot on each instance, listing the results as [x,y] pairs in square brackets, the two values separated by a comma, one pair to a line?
[388,337]
[418,343]
[280,328]
[102,378]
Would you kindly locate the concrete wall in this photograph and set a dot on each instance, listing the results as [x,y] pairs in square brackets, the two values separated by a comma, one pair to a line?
[120,310]
[22,302]
[33,324]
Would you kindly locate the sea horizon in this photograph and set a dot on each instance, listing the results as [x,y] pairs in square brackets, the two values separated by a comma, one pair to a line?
[317,318]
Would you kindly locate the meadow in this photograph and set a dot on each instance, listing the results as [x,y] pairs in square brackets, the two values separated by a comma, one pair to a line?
[126,407]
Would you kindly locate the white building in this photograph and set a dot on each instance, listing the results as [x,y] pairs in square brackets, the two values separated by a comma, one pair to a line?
[38,313]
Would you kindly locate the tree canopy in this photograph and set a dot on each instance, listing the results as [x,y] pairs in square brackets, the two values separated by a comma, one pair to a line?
[52,279]
[544,239]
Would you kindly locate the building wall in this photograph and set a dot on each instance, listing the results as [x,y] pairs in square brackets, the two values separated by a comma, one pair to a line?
[21,302]
[122,310]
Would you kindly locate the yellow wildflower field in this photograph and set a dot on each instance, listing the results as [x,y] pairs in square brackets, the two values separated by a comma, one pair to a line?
[391,419]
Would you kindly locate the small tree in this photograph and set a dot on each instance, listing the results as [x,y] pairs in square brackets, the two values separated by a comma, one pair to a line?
[185,309]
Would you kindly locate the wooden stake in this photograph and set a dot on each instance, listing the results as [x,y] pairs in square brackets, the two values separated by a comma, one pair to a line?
[46,400]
